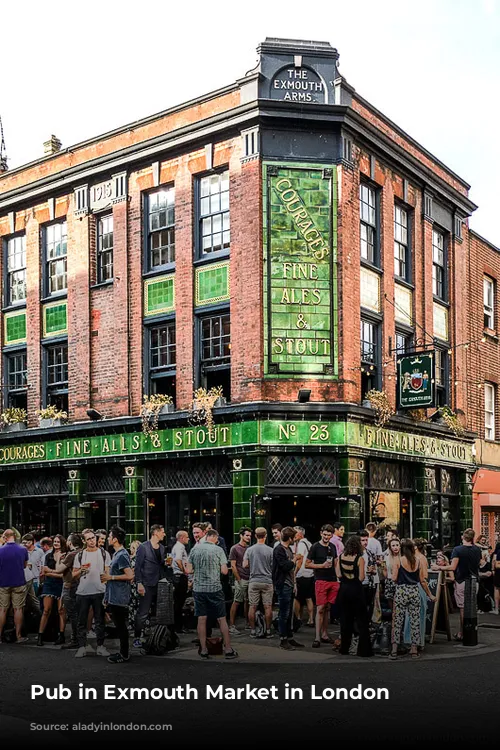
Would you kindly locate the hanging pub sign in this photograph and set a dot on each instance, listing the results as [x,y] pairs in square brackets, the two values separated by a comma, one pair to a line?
[416,388]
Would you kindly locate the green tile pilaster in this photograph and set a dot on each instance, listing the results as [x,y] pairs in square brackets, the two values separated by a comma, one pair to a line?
[352,471]
[422,513]
[465,487]
[134,503]
[77,489]
[349,515]
[248,488]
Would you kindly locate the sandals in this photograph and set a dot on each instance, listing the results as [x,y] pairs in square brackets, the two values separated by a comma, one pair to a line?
[415,655]
[457,637]
[393,655]
[316,644]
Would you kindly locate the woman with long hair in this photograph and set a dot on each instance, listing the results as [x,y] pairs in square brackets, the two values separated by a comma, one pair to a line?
[350,568]
[52,589]
[391,556]
[420,549]
[408,572]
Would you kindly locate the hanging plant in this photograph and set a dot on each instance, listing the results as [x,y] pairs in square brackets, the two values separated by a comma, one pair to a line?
[380,403]
[452,421]
[202,406]
[150,411]
[13,415]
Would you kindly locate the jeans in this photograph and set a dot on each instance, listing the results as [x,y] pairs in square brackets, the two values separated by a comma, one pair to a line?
[145,603]
[285,602]
[180,593]
[120,619]
[69,604]
[83,604]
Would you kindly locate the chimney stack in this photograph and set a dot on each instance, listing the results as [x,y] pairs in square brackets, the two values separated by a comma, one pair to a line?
[52,146]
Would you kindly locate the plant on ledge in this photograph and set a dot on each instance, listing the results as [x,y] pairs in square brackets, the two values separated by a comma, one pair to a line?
[452,421]
[380,403]
[202,407]
[53,413]
[150,411]
[13,415]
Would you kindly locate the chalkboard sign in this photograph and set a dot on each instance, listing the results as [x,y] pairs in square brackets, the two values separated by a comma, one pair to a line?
[437,616]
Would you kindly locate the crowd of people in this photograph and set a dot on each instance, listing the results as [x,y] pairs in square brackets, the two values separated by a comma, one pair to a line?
[90,578]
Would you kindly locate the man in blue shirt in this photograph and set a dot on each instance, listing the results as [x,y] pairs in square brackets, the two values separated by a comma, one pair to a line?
[117,596]
[13,560]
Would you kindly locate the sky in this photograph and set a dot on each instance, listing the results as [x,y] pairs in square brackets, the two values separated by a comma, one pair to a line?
[80,70]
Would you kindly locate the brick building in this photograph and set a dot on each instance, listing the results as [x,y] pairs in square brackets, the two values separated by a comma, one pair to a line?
[280,238]
[483,368]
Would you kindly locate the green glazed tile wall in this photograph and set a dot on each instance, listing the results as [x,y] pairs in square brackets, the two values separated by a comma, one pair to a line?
[212,284]
[15,328]
[159,295]
[55,319]
[316,353]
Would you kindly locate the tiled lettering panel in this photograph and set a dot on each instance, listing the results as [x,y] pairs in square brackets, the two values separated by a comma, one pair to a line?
[302,290]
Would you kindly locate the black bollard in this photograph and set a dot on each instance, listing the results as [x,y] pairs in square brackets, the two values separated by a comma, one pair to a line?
[470,613]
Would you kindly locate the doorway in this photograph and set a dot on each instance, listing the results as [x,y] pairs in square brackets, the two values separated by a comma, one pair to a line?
[310,511]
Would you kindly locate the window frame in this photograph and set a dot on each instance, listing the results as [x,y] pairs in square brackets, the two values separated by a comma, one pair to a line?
[8,355]
[443,267]
[490,387]
[57,389]
[7,297]
[48,261]
[375,375]
[148,232]
[155,373]
[100,218]
[375,226]
[199,255]
[407,247]
[223,364]
[489,311]
[441,388]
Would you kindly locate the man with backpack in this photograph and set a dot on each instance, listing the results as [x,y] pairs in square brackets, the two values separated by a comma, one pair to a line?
[259,559]
[88,566]
[304,577]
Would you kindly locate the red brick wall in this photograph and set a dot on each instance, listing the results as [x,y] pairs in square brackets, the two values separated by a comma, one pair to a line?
[482,360]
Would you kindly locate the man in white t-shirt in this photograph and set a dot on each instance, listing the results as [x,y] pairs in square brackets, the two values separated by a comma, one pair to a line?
[304,577]
[179,568]
[88,567]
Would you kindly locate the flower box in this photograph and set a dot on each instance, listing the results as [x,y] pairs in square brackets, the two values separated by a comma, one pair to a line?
[44,423]
[15,427]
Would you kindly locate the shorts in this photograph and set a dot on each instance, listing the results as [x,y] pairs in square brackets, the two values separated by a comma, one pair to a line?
[258,591]
[326,592]
[15,595]
[209,604]
[305,588]
[459,594]
[241,591]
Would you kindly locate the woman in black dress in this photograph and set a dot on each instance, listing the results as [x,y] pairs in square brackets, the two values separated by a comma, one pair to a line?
[350,568]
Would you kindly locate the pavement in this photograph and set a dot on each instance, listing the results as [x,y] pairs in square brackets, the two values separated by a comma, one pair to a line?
[448,695]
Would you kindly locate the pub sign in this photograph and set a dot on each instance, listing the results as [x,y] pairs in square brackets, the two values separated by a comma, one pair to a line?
[416,387]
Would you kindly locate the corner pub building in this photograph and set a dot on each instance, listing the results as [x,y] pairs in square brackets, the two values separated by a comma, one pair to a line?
[280,238]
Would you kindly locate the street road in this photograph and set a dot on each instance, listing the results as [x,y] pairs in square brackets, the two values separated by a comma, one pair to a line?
[449,698]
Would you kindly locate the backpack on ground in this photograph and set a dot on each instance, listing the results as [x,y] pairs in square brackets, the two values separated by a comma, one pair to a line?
[160,640]
[260,624]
